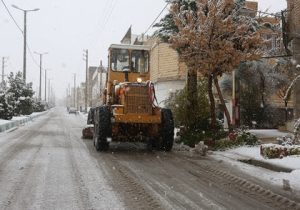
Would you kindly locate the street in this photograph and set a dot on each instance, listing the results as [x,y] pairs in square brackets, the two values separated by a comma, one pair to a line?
[47,165]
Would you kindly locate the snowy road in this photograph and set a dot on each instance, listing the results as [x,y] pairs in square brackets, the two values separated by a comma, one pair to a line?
[46,165]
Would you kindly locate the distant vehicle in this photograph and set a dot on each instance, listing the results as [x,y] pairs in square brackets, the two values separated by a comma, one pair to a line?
[130,112]
[72,110]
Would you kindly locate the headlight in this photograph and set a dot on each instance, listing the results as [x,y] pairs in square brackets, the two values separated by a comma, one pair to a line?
[139,80]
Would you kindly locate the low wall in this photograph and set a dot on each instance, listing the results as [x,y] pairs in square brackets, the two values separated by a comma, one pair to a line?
[16,123]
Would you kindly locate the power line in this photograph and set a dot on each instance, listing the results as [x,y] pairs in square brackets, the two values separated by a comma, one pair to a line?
[12,17]
[156,18]
[31,55]
[106,13]
[109,14]
[14,20]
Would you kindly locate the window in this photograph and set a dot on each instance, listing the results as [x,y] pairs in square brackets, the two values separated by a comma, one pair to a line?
[139,61]
[119,59]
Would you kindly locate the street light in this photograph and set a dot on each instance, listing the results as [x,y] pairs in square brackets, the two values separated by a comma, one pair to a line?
[41,60]
[25,36]
[86,59]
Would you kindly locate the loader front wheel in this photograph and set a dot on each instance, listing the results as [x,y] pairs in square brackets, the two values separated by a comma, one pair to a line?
[167,130]
[102,128]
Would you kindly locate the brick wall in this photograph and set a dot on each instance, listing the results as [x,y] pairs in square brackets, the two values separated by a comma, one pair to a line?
[293,7]
[164,64]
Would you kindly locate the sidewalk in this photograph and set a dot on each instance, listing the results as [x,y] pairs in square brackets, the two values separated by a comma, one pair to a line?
[18,121]
[274,171]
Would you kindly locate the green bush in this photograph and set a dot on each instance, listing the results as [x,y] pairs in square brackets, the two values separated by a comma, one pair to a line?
[209,136]
[192,138]
[198,130]
[239,138]
[227,143]
[178,103]
[6,109]
[38,106]
[247,138]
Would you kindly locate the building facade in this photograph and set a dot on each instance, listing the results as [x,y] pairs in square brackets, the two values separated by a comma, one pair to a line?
[167,72]
[96,85]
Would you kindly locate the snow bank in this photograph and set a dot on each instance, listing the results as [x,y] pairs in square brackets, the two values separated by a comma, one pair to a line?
[277,178]
[292,162]
[17,121]
[268,133]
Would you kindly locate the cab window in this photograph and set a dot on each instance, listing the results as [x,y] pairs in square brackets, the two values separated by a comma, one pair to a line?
[139,61]
[119,59]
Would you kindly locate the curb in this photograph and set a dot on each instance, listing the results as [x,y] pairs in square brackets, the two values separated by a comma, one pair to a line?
[14,124]
[266,165]
[259,163]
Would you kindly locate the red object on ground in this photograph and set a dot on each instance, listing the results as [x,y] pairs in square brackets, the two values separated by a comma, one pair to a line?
[232,136]
[87,132]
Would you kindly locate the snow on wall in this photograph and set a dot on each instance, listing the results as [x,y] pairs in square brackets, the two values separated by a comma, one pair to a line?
[17,121]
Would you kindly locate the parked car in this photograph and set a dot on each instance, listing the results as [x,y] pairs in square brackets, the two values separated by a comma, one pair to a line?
[72,110]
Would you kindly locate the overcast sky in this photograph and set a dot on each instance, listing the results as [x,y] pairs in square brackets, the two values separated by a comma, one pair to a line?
[65,27]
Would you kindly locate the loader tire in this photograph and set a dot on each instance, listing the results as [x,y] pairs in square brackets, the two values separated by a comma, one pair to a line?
[167,130]
[102,128]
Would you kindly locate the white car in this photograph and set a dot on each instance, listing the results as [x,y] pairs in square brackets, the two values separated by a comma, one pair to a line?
[72,110]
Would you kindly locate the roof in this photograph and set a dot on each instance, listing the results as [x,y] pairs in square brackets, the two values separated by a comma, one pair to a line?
[93,68]
[272,20]
[252,5]
[130,47]
[127,39]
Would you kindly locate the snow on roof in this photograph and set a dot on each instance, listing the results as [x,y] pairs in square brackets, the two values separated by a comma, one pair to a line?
[130,47]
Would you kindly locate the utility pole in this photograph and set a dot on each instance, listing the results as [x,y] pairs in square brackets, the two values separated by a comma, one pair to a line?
[41,62]
[86,59]
[4,59]
[49,90]
[25,37]
[74,90]
[101,72]
[67,96]
[46,83]
[25,46]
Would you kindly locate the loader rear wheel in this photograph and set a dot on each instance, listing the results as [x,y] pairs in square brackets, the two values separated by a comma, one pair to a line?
[102,128]
[167,130]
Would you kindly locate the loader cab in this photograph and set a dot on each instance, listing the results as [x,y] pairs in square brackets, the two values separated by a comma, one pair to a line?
[131,59]
[127,63]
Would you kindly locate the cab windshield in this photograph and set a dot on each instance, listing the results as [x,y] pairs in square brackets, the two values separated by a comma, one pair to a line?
[137,61]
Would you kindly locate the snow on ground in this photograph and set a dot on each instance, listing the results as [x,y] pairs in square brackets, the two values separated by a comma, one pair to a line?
[292,162]
[277,178]
[19,118]
[268,133]
[2,122]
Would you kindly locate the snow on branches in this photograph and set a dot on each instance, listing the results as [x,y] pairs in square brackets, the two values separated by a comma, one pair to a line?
[212,39]
[215,38]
